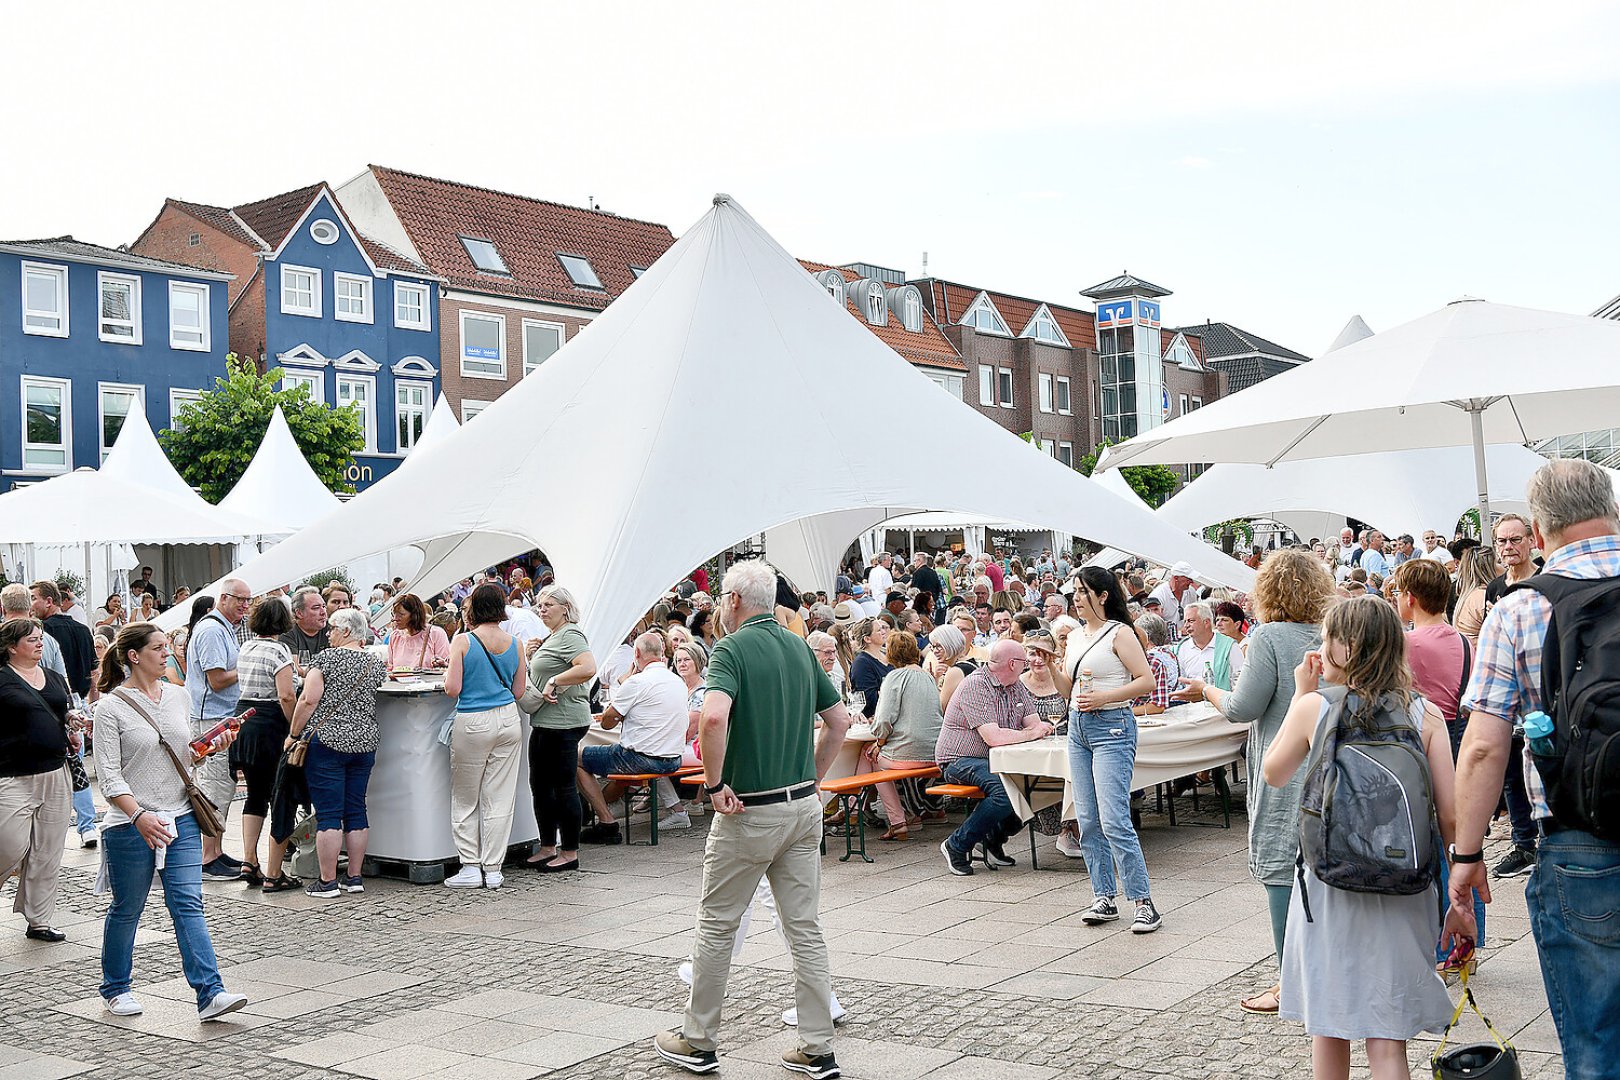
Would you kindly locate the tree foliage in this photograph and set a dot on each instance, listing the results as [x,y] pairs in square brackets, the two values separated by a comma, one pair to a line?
[219,433]
[1153,483]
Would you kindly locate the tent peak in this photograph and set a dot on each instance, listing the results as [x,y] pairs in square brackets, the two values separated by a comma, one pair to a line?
[722,199]
[1466,300]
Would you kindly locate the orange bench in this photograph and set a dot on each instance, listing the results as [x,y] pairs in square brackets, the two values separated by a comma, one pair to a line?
[956,791]
[635,781]
[848,791]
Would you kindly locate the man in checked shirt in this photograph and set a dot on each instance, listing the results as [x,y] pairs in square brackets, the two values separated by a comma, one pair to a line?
[1574,892]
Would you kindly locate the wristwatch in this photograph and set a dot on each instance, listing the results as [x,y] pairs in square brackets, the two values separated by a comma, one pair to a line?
[1459,857]
[715,789]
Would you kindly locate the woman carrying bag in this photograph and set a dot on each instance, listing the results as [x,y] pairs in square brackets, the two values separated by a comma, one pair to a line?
[486,677]
[141,752]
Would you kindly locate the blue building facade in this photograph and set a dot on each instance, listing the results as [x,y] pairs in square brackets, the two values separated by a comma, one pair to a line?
[86,332]
[350,321]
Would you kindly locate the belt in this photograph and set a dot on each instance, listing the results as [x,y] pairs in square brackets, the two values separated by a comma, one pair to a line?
[771,798]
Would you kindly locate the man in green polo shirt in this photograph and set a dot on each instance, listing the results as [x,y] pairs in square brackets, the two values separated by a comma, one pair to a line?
[761,763]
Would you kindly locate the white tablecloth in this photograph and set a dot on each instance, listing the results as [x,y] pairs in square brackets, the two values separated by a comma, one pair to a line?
[1183,740]
[849,755]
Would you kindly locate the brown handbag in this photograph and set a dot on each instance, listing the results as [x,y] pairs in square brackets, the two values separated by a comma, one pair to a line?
[207,815]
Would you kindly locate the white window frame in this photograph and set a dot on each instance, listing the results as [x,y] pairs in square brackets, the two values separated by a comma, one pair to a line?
[983,306]
[313,310]
[370,425]
[103,279]
[1197,403]
[179,398]
[340,279]
[563,256]
[1004,378]
[911,312]
[315,380]
[471,407]
[466,245]
[876,305]
[1046,392]
[1061,392]
[136,391]
[562,339]
[987,386]
[461,346]
[1183,403]
[1065,454]
[426,408]
[204,312]
[66,445]
[326,226]
[403,287]
[833,282]
[60,273]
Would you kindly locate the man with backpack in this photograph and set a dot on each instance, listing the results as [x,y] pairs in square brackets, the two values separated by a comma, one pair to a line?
[1553,644]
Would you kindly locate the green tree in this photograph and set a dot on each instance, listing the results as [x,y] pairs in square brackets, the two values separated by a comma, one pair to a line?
[1154,483]
[219,433]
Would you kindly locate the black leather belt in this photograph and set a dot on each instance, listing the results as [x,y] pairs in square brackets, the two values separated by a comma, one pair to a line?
[773,797]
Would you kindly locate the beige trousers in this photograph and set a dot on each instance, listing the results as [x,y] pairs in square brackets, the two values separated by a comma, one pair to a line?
[34,815]
[484,749]
[781,843]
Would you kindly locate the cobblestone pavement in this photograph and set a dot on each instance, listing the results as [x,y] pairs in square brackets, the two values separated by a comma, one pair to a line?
[991,977]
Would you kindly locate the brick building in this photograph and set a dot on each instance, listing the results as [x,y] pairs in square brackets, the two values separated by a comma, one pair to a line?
[1244,357]
[520,275]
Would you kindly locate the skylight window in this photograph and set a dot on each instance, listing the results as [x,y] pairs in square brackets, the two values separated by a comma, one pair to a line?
[580,272]
[484,256]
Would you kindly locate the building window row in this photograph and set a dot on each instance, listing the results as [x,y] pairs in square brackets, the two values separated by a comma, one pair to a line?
[118,307]
[483,344]
[996,387]
[1055,394]
[352,299]
[1062,451]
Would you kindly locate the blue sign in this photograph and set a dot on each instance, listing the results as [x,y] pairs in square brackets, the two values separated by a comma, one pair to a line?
[1150,314]
[1114,313]
[476,353]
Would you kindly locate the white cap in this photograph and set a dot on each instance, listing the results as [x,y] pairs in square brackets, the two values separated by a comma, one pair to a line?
[1181,569]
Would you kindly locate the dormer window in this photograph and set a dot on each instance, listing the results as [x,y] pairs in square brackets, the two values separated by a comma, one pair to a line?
[580,271]
[637,271]
[833,282]
[873,302]
[907,302]
[484,256]
[983,317]
[1043,327]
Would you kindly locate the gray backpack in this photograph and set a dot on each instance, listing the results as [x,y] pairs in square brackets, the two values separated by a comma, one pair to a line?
[1366,810]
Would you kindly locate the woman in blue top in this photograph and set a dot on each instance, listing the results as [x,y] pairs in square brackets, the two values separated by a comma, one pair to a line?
[486,677]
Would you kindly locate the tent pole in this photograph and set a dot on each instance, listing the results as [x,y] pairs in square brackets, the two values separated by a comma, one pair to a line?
[1476,417]
[89,585]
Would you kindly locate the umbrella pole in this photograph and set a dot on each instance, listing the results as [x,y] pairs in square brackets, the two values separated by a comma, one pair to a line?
[1476,416]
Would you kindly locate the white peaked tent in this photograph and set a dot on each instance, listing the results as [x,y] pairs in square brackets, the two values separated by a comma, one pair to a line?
[441,424]
[1353,331]
[590,458]
[279,487]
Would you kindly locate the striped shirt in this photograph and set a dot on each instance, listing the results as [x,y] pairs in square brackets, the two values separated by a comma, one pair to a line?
[978,701]
[257,665]
[1507,665]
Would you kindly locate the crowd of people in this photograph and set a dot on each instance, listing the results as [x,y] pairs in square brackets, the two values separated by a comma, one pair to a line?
[942,656]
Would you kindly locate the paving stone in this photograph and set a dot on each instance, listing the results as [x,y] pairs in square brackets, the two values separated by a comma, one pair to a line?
[406,1062]
[45,1067]
[559,1049]
[334,1049]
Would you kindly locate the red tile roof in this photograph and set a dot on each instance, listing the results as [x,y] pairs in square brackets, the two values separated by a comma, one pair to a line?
[528,233]
[271,218]
[219,217]
[951,301]
[928,346]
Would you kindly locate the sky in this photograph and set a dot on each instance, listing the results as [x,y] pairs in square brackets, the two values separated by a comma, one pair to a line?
[1278,166]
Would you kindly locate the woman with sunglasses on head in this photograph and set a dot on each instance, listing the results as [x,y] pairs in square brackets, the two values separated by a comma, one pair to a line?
[1107,668]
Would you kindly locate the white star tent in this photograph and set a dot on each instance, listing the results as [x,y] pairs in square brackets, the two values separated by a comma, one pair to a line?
[707,405]
[279,487]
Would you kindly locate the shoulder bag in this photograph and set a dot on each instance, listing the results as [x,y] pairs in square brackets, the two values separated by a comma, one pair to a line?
[491,660]
[75,765]
[209,822]
[1102,635]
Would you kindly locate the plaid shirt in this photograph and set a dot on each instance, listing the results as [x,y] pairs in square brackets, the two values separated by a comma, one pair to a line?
[978,701]
[1507,664]
[1165,673]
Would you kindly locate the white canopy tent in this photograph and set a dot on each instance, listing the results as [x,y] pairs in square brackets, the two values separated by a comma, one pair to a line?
[725,331]
[1471,374]
[279,487]
[405,561]
[1354,330]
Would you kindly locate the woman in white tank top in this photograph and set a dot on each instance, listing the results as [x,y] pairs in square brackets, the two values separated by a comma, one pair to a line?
[1102,745]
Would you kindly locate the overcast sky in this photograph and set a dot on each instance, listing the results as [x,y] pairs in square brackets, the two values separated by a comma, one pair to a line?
[1279,166]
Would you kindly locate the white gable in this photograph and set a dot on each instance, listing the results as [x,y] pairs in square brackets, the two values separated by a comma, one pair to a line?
[1043,327]
[983,316]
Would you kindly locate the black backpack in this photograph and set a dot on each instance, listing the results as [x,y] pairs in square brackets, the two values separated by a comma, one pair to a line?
[1580,690]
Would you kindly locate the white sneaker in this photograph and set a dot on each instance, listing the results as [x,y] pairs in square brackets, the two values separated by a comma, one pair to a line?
[1068,845]
[493,879]
[685,972]
[694,809]
[790,1017]
[124,1005]
[221,1004]
[676,820]
[468,877]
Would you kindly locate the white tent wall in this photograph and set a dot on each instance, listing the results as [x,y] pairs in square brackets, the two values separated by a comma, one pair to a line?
[193,565]
[727,329]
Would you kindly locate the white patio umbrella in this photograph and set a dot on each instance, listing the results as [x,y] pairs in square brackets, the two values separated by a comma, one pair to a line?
[1471,373]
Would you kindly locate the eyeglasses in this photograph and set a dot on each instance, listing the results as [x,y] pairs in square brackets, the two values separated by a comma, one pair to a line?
[238,597]
[1500,540]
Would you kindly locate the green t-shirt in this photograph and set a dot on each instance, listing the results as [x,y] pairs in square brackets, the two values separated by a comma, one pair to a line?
[776,689]
[573,707]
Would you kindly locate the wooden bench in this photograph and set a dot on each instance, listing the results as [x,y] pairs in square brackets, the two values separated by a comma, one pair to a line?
[633,782]
[972,791]
[848,792]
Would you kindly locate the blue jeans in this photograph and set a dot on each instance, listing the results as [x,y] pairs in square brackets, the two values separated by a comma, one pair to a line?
[84,807]
[337,786]
[1102,756]
[1445,906]
[616,760]
[993,819]
[1574,900]
[1518,799]
[130,864]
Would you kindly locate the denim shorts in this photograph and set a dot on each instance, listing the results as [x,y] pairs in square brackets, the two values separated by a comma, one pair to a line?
[616,760]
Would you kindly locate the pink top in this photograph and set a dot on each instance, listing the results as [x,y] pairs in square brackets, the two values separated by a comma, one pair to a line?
[1436,656]
[405,650]
[998,581]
